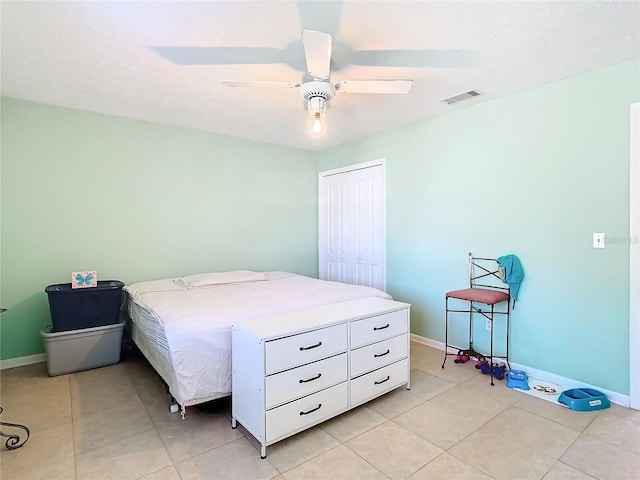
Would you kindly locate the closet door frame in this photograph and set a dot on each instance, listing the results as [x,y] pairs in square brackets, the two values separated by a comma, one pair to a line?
[634,257]
[322,215]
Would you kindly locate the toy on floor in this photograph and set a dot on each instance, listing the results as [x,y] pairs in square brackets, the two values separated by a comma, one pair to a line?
[517,379]
[480,359]
[584,399]
[482,364]
[497,369]
[462,357]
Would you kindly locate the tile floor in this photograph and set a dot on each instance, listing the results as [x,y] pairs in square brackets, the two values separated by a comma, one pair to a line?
[114,423]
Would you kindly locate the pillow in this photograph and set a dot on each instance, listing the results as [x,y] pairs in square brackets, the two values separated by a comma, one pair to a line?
[220,278]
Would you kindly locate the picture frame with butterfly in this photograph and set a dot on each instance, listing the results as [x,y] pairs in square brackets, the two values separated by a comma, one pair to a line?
[84,279]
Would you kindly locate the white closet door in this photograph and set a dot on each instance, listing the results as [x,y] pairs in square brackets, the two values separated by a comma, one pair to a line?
[352,225]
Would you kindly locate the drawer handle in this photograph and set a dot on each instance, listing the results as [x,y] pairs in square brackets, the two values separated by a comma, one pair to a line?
[381,354]
[310,379]
[381,328]
[382,381]
[312,410]
[311,346]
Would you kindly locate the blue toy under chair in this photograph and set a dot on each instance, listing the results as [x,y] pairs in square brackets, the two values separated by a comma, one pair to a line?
[497,370]
[517,379]
[584,399]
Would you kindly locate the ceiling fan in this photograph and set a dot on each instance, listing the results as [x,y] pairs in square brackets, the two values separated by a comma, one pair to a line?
[318,92]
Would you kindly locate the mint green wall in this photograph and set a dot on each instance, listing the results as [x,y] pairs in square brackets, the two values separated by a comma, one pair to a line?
[137,201]
[535,174]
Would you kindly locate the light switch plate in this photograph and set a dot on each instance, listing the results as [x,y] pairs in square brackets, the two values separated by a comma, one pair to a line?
[598,240]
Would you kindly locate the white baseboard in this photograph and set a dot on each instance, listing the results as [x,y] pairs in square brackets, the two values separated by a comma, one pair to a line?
[22,361]
[614,397]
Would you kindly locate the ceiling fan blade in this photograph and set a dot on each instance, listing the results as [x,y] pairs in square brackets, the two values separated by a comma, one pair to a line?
[220,55]
[252,83]
[416,58]
[317,52]
[375,86]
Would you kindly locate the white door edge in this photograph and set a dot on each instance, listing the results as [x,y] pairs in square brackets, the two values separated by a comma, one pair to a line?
[634,258]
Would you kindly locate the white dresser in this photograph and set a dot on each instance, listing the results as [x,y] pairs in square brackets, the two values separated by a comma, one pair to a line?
[295,370]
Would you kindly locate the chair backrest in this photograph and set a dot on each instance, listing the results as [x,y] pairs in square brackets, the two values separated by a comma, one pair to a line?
[486,273]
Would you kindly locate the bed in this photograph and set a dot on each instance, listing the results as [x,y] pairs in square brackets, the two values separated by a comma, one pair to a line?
[183,325]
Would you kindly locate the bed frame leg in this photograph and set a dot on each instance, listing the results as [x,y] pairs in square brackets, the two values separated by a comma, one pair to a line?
[174,406]
[263,452]
[234,423]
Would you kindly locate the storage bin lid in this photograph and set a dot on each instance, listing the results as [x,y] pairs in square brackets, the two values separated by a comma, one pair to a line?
[102,285]
[48,334]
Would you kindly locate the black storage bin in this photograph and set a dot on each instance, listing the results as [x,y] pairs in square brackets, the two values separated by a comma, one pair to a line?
[77,308]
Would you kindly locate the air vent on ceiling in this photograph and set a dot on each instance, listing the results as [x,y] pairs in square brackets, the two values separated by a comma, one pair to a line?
[462,96]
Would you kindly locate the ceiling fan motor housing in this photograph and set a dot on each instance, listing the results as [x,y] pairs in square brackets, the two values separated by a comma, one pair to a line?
[317,94]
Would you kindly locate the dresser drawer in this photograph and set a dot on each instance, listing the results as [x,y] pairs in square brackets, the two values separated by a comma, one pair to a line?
[380,327]
[377,355]
[288,352]
[301,381]
[305,412]
[379,381]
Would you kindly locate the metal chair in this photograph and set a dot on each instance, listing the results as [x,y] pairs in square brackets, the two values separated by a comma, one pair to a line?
[486,291]
[13,440]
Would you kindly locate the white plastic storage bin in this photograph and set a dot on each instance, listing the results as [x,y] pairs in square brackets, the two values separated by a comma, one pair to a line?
[83,349]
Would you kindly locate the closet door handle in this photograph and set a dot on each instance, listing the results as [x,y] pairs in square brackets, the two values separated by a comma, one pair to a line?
[311,346]
[377,355]
[312,410]
[382,381]
[381,328]
[310,379]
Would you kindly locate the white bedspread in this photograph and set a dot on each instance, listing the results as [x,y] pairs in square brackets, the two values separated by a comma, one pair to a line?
[197,321]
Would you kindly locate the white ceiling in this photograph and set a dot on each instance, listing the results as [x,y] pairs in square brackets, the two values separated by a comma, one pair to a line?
[104,57]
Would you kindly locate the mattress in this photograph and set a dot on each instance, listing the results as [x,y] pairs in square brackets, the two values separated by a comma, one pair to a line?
[184,330]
